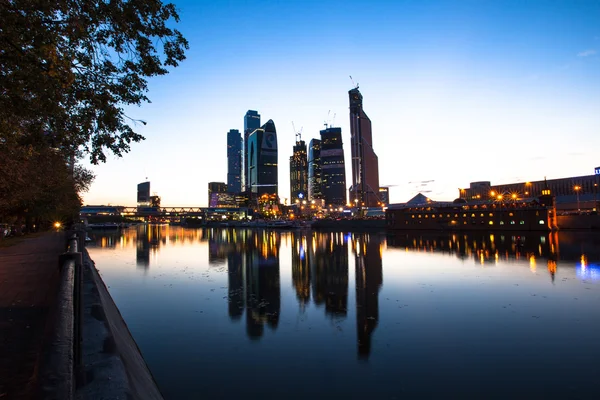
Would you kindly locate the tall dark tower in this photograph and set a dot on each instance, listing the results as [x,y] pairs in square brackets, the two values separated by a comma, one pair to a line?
[333,169]
[365,166]
[251,123]
[298,172]
[262,161]
[314,170]
[234,161]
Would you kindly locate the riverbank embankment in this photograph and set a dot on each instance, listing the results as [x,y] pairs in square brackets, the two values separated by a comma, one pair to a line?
[114,366]
[40,353]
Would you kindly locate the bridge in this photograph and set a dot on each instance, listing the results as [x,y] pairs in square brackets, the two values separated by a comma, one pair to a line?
[162,212]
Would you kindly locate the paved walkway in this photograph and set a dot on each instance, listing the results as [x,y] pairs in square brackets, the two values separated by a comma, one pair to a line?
[28,284]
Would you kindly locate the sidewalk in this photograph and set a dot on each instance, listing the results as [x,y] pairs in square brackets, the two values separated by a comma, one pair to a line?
[28,284]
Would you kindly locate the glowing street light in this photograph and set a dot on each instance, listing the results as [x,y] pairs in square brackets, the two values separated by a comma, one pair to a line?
[577,189]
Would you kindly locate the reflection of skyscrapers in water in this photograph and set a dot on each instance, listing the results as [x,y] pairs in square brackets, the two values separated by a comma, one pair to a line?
[262,282]
[369,277]
[148,238]
[218,243]
[235,274]
[328,257]
[300,268]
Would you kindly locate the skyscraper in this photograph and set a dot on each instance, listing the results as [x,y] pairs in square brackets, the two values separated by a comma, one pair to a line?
[234,161]
[143,194]
[251,123]
[365,166]
[262,161]
[314,170]
[298,173]
[333,170]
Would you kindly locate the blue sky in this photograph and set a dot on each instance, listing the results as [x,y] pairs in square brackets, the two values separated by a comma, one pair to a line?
[457,91]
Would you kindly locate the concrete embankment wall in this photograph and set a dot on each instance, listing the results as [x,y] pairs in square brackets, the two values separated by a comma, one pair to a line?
[114,366]
[579,222]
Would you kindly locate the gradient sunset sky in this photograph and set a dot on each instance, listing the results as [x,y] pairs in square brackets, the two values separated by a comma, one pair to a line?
[457,91]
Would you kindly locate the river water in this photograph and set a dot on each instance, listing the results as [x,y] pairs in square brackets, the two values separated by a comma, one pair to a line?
[232,314]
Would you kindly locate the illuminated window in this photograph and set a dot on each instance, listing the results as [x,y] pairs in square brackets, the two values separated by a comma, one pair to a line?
[512,222]
[491,222]
[412,216]
[542,222]
[481,215]
[426,216]
[522,222]
[501,222]
[510,214]
[472,215]
[433,216]
[491,215]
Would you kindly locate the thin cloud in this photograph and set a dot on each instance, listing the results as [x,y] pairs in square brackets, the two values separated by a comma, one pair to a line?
[586,53]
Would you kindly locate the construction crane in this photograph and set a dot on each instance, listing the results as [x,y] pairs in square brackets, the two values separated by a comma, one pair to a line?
[298,134]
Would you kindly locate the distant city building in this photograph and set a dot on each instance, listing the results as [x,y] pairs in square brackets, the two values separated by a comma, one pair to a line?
[597,171]
[222,200]
[572,193]
[314,170]
[365,165]
[155,201]
[251,123]
[262,161]
[384,196]
[143,194]
[234,161]
[299,173]
[333,169]
[215,187]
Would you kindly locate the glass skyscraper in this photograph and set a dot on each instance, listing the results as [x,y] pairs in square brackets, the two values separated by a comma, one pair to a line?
[333,169]
[365,165]
[251,123]
[262,161]
[298,173]
[314,170]
[234,161]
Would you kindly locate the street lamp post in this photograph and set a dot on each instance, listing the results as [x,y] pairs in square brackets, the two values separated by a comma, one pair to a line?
[596,196]
[577,188]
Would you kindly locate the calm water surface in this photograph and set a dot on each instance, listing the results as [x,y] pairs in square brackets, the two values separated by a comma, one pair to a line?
[224,313]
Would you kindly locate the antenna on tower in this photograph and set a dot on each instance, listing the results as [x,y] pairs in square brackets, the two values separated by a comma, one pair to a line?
[332,121]
[354,84]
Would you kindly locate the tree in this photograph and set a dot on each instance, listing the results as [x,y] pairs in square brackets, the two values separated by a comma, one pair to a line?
[68,68]
[38,186]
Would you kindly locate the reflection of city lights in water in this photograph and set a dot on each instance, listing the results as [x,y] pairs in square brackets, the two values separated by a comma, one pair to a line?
[586,270]
[302,252]
[552,267]
[532,263]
